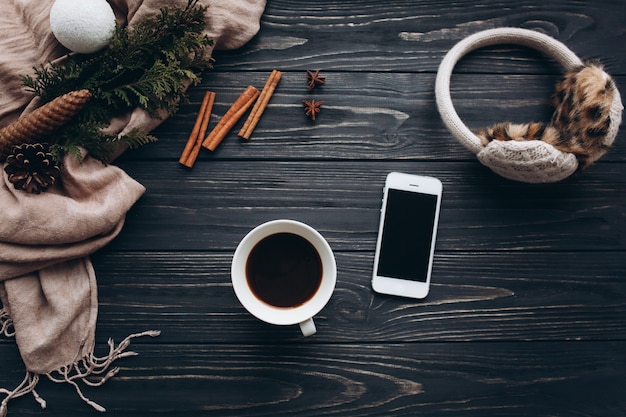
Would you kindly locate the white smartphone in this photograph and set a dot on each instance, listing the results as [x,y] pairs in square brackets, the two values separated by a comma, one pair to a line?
[407,235]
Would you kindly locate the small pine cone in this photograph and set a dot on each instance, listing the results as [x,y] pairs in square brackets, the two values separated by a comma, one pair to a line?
[32,168]
[42,120]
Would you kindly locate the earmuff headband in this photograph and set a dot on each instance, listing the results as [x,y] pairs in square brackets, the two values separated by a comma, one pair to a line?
[515,36]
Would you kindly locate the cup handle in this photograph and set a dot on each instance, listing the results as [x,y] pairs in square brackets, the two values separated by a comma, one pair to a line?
[308,327]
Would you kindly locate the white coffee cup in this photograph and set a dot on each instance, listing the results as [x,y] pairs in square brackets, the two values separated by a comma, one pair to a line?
[302,313]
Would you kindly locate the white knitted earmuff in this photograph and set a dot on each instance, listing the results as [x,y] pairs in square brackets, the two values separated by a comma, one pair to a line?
[580,132]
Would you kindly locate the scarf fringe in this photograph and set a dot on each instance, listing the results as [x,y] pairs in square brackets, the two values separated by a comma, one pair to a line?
[93,371]
[27,386]
[6,325]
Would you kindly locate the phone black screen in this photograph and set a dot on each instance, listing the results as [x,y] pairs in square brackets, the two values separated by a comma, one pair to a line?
[407,235]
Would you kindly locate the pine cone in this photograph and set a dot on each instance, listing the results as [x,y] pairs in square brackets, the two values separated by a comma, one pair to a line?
[32,168]
[42,121]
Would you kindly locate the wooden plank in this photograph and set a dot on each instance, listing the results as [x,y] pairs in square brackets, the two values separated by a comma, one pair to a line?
[527,313]
[387,116]
[215,204]
[414,36]
[475,296]
[426,379]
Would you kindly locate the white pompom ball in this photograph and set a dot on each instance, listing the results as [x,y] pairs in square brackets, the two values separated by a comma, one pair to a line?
[83,26]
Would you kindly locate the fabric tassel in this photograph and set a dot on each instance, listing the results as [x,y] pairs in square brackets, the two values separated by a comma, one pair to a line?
[93,371]
[27,386]
[6,324]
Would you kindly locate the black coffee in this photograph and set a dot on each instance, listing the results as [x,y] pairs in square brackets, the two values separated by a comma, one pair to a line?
[284,270]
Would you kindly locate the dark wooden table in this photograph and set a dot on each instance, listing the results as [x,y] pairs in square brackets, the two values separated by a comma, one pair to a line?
[527,310]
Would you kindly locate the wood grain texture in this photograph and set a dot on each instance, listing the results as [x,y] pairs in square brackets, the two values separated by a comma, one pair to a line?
[414,36]
[431,379]
[216,203]
[527,310]
[372,116]
[475,296]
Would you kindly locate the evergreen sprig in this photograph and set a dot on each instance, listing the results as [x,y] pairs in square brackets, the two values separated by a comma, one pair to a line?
[148,66]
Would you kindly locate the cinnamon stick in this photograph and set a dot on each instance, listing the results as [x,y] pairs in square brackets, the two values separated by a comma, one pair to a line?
[192,148]
[260,105]
[234,113]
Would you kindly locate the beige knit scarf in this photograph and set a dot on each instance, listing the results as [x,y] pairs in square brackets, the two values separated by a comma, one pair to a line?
[48,288]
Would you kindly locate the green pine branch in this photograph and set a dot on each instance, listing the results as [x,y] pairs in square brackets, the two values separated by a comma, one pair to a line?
[148,66]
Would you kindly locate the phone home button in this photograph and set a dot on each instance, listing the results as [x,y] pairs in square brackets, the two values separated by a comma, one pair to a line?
[398,288]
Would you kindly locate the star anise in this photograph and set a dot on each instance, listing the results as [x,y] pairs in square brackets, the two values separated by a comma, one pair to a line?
[32,168]
[311,108]
[314,79]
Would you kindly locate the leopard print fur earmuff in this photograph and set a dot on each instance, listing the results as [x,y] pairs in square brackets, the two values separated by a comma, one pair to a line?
[588,112]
